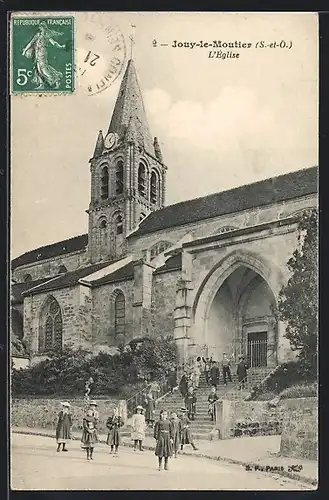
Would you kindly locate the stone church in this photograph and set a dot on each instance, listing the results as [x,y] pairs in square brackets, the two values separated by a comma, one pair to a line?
[207,271]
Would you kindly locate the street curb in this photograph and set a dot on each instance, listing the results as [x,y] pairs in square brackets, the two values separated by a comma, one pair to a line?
[289,475]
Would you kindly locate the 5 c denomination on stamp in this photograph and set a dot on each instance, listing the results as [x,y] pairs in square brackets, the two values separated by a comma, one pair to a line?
[42,54]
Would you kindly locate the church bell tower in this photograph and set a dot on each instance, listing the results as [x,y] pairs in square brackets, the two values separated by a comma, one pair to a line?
[128,176]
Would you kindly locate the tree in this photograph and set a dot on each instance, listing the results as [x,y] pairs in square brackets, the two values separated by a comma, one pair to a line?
[298,299]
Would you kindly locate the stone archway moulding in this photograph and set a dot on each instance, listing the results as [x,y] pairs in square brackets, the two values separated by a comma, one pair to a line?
[216,277]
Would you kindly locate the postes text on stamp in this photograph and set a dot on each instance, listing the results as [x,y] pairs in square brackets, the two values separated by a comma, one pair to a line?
[42,54]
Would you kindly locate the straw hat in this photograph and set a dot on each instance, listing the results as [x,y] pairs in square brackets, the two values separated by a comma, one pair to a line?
[65,403]
[93,403]
[183,409]
[139,407]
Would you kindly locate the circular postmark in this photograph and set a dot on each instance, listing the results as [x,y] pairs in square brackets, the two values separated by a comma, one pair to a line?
[101,53]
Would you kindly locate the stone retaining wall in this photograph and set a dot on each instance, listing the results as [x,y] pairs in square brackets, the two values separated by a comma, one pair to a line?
[244,418]
[299,437]
[43,413]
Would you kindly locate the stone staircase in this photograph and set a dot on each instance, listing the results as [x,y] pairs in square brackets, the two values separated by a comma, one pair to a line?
[202,426]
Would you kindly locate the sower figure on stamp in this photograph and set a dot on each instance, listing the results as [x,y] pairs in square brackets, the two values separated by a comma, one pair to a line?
[190,403]
[114,422]
[163,433]
[177,430]
[64,424]
[138,427]
[89,434]
[37,49]
[186,437]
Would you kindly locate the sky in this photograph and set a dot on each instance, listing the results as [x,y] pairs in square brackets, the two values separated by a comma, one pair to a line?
[221,123]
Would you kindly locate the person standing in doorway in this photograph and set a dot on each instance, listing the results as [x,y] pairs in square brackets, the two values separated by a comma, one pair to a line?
[214,374]
[64,425]
[138,427]
[242,372]
[226,367]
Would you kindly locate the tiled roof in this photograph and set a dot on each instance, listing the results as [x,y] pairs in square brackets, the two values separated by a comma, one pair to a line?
[124,273]
[18,288]
[173,263]
[273,190]
[54,250]
[69,279]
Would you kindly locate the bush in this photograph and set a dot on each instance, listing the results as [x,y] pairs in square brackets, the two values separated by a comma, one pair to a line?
[65,372]
[300,391]
[265,396]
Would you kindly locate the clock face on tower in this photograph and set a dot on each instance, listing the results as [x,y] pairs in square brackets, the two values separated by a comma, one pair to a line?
[110,140]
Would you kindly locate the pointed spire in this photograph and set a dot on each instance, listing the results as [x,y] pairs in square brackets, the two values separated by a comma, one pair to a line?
[129,107]
[157,149]
[99,145]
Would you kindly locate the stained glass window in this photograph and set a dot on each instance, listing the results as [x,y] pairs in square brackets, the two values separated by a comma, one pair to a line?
[51,326]
[119,314]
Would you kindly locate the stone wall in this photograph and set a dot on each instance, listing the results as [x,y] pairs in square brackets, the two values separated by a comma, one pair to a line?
[43,413]
[163,302]
[241,418]
[75,304]
[299,437]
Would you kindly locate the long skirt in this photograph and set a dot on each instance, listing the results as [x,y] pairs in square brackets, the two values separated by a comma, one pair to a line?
[113,437]
[89,439]
[163,447]
[63,433]
[177,441]
[186,436]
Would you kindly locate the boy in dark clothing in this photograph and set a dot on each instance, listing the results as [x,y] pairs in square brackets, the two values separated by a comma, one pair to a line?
[214,374]
[190,403]
[226,365]
[212,398]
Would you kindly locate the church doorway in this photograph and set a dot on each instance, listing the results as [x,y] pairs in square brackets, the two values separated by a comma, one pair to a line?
[240,319]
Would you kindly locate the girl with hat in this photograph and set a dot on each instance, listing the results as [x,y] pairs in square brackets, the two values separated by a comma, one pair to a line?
[163,433]
[186,437]
[138,426]
[63,428]
[89,434]
[114,422]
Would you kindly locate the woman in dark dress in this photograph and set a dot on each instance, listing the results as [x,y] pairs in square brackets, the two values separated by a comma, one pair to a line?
[63,428]
[114,422]
[183,385]
[89,434]
[242,372]
[163,433]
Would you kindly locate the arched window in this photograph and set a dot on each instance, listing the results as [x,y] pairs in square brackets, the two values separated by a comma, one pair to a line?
[103,224]
[50,326]
[27,278]
[142,180]
[119,224]
[119,177]
[62,269]
[105,183]
[159,248]
[119,314]
[154,187]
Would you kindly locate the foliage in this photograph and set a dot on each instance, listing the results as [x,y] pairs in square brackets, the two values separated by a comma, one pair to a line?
[284,376]
[65,372]
[300,391]
[298,299]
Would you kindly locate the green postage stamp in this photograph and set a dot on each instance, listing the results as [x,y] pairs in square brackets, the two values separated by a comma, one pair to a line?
[42,54]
